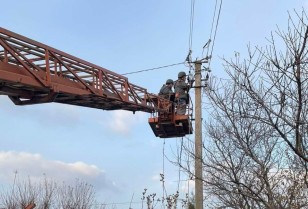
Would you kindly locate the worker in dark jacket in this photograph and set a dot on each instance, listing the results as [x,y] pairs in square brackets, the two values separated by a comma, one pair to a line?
[166,90]
[181,93]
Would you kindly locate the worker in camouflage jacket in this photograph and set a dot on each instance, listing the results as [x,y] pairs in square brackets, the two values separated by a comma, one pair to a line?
[181,93]
[166,90]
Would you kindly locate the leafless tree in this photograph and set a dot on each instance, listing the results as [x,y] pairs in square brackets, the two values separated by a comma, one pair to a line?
[79,196]
[47,190]
[274,82]
[246,164]
[47,194]
[256,151]
[22,193]
[258,128]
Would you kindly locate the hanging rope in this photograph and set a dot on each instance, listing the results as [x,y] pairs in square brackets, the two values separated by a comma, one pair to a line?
[188,179]
[163,175]
[180,163]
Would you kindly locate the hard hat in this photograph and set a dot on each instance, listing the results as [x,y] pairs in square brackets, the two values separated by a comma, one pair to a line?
[181,74]
[169,81]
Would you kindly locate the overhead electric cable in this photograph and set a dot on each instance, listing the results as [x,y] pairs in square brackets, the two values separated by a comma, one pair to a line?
[140,71]
[217,22]
[208,42]
[192,13]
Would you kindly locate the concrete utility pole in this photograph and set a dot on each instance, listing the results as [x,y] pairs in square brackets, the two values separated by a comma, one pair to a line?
[198,138]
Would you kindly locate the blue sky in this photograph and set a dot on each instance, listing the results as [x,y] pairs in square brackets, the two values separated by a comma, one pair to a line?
[116,150]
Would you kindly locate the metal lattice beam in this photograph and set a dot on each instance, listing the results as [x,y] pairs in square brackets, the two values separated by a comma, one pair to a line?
[31,73]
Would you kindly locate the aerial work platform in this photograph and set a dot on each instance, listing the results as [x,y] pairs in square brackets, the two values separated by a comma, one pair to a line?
[166,123]
[179,127]
[34,73]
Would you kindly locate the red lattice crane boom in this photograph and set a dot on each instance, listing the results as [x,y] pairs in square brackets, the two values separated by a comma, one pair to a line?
[34,73]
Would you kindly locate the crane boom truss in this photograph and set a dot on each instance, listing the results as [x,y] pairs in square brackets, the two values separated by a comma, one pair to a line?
[32,73]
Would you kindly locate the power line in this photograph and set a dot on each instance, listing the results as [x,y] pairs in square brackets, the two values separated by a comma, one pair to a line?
[156,68]
[217,22]
[213,20]
[192,13]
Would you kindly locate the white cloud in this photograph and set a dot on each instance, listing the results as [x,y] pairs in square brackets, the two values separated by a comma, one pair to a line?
[35,166]
[188,186]
[58,113]
[121,122]
[46,114]
[156,177]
